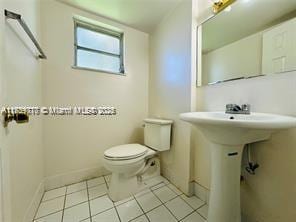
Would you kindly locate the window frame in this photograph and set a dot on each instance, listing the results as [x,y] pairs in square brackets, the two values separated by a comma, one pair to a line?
[105,31]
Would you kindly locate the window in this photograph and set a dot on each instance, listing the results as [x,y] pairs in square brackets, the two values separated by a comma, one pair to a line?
[98,48]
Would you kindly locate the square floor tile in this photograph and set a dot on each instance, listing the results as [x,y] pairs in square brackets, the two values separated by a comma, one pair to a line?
[56,217]
[76,213]
[100,204]
[193,201]
[76,198]
[155,187]
[156,180]
[148,201]
[203,211]
[179,208]
[194,217]
[142,218]
[160,214]
[76,187]
[50,206]
[165,194]
[95,181]
[106,216]
[97,191]
[129,210]
[51,194]
[117,203]
[142,192]
[175,189]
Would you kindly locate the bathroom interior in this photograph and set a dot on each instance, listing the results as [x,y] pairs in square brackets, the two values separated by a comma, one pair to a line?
[188,110]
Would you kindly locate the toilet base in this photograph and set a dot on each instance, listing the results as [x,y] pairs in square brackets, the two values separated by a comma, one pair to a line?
[123,186]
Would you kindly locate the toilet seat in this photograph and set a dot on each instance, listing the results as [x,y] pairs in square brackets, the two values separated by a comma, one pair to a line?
[125,152]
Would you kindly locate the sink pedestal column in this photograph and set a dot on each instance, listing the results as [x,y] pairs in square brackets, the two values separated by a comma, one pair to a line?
[224,203]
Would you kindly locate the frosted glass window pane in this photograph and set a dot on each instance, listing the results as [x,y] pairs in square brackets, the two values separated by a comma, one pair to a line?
[94,40]
[97,61]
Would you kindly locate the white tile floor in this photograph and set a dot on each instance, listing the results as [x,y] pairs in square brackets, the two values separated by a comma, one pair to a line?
[88,201]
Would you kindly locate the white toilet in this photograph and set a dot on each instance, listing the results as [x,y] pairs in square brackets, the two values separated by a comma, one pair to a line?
[130,163]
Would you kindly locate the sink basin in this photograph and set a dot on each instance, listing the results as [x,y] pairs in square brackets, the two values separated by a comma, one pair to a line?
[235,129]
[228,134]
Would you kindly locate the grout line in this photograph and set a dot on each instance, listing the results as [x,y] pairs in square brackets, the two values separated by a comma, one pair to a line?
[167,200]
[156,188]
[163,204]
[48,215]
[96,185]
[200,213]
[52,212]
[87,191]
[124,201]
[106,209]
[147,217]
[102,211]
[76,191]
[188,215]
[170,212]
[91,186]
[117,213]
[38,206]
[64,205]
[137,218]
[153,208]
[194,210]
[141,209]
[44,201]
[167,185]
[186,203]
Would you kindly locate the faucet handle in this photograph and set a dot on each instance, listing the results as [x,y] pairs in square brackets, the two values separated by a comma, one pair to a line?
[246,108]
[232,107]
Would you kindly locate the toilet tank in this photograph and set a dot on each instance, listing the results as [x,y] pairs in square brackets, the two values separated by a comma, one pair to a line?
[157,134]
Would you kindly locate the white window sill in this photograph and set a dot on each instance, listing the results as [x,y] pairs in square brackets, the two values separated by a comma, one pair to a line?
[98,70]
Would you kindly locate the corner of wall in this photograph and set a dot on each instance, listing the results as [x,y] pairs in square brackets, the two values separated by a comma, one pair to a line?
[32,209]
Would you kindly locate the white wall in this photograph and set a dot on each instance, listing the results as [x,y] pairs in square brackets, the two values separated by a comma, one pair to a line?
[238,59]
[170,87]
[75,145]
[270,195]
[21,145]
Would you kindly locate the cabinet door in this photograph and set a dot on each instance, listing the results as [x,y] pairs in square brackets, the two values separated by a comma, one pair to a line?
[279,48]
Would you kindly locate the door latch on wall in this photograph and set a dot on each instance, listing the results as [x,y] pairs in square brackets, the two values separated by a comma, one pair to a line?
[18,116]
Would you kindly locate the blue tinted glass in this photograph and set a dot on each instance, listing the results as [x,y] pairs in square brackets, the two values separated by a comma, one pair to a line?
[97,61]
[99,41]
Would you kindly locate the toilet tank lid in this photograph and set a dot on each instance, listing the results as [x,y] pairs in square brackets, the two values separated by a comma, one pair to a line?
[158,121]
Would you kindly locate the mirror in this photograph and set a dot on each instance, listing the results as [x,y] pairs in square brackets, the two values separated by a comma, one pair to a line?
[252,38]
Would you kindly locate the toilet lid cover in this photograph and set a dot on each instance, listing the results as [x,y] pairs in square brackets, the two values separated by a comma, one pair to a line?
[125,152]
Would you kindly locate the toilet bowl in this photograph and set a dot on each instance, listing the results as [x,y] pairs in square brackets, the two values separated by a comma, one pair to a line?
[126,169]
[129,163]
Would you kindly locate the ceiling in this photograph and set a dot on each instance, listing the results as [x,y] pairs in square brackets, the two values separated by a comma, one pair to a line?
[143,15]
[246,17]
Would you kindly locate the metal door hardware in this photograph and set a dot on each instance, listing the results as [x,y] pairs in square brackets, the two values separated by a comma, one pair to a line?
[18,116]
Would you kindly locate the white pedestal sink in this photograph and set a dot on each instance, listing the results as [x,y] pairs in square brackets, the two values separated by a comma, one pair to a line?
[228,134]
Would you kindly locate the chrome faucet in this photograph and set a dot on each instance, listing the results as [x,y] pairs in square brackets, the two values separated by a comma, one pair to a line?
[236,109]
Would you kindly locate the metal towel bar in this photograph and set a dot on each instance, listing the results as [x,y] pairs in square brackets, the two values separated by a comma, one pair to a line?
[18,17]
